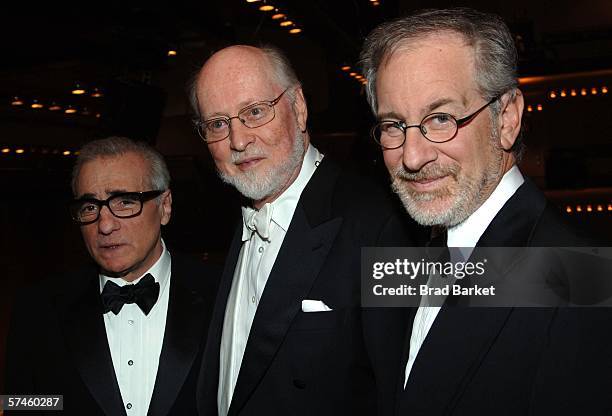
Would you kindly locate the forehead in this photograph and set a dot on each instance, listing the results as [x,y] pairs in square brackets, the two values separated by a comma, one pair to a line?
[104,175]
[235,78]
[427,69]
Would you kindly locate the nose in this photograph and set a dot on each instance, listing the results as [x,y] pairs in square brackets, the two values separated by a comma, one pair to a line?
[417,151]
[107,223]
[240,135]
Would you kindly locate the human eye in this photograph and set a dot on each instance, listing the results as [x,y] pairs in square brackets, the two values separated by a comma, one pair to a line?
[391,128]
[439,121]
[216,125]
[88,207]
[255,112]
[124,202]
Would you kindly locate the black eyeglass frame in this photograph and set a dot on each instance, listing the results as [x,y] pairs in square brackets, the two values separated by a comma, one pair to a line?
[200,123]
[142,197]
[404,127]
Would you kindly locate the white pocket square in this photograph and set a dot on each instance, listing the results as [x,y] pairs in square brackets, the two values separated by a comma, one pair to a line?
[309,305]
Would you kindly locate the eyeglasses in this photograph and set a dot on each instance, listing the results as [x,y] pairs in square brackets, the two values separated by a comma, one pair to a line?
[251,116]
[122,205]
[435,127]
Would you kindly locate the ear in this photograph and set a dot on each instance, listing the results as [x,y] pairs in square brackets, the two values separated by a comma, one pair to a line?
[300,109]
[166,207]
[510,120]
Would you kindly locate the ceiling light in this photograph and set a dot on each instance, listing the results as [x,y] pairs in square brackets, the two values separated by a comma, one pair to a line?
[604,90]
[594,91]
[295,31]
[66,153]
[573,93]
[563,93]
[266,7]
[278,16]
[171,52]
[19,151]
[70,110]
[345,68]
[552,94]
[78,90]
[36,105]
[6,150]
[252,1]
[285,23]
[97,93]
[16,101]
[54,107]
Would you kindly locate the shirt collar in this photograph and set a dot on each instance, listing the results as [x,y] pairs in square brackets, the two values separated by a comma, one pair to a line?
[467,233]
[160,272]
[284,206]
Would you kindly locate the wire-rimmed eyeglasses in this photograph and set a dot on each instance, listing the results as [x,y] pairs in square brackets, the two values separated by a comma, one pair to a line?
[435,127]
[122,205]
[252,116]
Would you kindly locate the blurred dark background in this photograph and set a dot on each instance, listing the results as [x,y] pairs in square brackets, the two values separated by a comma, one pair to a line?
[131,62]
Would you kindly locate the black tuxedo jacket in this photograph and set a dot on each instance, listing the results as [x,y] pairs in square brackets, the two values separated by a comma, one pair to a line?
[498,361]
[298,363]
[57,343]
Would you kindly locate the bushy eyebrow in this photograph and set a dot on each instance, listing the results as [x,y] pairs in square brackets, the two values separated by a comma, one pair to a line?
[432,107]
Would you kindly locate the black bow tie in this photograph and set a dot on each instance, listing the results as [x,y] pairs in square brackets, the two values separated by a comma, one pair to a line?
[144,294]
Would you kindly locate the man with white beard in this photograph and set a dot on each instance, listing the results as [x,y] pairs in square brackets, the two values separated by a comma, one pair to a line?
[285,336]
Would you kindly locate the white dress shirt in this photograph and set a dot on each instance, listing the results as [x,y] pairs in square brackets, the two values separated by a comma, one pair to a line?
[135,339]
[464,235]
[255,261]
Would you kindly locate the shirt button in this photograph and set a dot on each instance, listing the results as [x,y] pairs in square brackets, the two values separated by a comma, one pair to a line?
[253,299]
[130,362]
[261,249]
[129,405]
[131,322]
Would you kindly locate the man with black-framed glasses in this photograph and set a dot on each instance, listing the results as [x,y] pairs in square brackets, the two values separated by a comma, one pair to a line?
[443,87]
[124,337]
[286,334]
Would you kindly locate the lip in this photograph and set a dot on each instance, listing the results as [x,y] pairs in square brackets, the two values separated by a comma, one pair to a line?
[427,184]
[110,247]
[248,163]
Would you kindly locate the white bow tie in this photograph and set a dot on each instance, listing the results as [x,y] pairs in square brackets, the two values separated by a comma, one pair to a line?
[257,221]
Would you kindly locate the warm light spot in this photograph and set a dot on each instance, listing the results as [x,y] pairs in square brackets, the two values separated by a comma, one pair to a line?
[66,153]
[16,101]
[97,93]
[573,93]
[54,107]
[589,208]
[609,207]
[353,74]
[539,107]
[171,52]
[70,110]
[6,150]
[78,90]
[98,115]
[594,91]
[563,93]
[568,209]
[375,3]
[599,208]
[252,1]
[583,91]
[604,90]
[266,7]
[286,23]
[345,68]
[552,94]
[579,208]
[19,151]
[529,108]
[36,105]
[278,16]
[295,31]
[359,77]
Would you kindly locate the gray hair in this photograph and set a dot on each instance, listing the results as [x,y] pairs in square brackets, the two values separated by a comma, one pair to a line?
[495,51]
[158,175]
[282,72]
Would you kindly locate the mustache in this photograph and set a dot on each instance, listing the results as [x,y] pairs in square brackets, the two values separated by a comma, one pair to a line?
[427,173]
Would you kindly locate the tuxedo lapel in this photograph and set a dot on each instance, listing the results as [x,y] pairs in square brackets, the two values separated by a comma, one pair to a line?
[182,337]
[303,252]
[208,381]
[83,326]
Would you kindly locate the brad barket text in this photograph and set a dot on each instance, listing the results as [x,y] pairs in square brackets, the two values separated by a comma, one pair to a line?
[424,290]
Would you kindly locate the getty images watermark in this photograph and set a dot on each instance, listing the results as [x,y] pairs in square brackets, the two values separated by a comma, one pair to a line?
[488,276]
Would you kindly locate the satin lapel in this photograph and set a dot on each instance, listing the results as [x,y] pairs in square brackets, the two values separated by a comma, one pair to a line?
[86,338]
[185,322]
[301,256]
[208,380]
